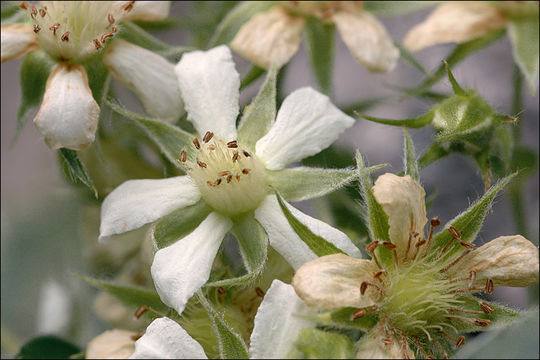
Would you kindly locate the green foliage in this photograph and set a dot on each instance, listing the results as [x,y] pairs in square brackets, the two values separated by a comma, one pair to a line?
[343,318]
[47,347]
[319,344]
[396,8]
[320,47]
[74,169]
[500,317]
[410,166]
[525,42]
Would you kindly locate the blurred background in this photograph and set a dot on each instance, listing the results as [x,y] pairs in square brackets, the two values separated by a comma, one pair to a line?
[47,229]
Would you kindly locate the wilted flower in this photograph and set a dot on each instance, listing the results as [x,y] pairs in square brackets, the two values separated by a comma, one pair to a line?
[422,296]
[232,176]
[73,33]
[112,344]
[275,35]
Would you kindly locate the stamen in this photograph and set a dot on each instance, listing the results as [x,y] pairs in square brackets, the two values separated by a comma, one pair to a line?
[136,336]
[65,36]
[208,136]
[259,291]
[229,178]
[387,341]
[489,286]
[245,171]
[477,322]
[246,154]
[455,233]
[211,147]
[440,349]
[36,28]
[468,246]
[358,314]
[42,12]
[486,308]
[106,36]
[201,164]
[378,274]
[34,11]
[422,349]
[433,223]
[460,341]
[196,143]
[392,247]
[224,173]
[140,311]
[420,243]
[404,347]
[97,44]
[221,291]
[472,277]
[114,28]
[110,18]
[235,156]
[183,156]
[363,288]
[217,182]
[370,248]
[232,144]
[54,27]
[23,5]
[127,7]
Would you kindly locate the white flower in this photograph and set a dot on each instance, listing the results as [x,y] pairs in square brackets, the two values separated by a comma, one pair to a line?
[275,35]
[277,325]
[231,178]
[73,32]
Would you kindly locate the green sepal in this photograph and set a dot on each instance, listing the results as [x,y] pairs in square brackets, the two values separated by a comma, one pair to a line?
[396,8]
[253,243]
[178,224]
[320,46]
[259,116]
[319,344]
[233,21]
[501,316]
[75,170]
[303,183]
[375,218]
[35,70]
[468,223]
[252,75]
[170,139]
[47,347]
[458,90]
[317,244]
[133,297]
[523,33]
[231,345]
[412,123]
[343,319]
[410,165]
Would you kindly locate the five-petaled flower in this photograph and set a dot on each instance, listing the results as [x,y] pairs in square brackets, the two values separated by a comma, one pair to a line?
[72,33]
[231,178]
[275,35]
[423,297]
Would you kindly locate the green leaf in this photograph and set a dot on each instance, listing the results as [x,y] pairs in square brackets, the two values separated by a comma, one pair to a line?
[343,318]
[410,166]
[518,341]
[317,244]
[253,243]
[320,47]
[233,21]
[35,70]
[413,123]
[410,59]
[170,139]
[375,218]
[75,169]
[303,183]
[396,8]
[319,344]
[468,223]
[231,345]
[179,223]
[500,317]
[130,296]
[47,347]
[259,116]
[524,36]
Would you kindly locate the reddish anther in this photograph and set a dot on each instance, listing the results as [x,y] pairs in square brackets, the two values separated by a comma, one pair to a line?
[460,341]
[136,336]
[208,136]
[467,245]
[140,311]
[235,156]
[259,291]
[489,286]
[196,143]
[455,233]
[486,308]
[36,28]
[221,291]
[104,37]
[363,288]
[201,164]
[245,171]
[372,246]
[97,44]
[232,144]
[183,156]
[358,314]
[482,322]
[389,245]
[435,222]
[42,12]
[65,36]
[246,154]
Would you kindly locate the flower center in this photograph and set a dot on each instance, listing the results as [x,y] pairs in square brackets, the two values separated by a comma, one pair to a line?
[72,30]
[230,178]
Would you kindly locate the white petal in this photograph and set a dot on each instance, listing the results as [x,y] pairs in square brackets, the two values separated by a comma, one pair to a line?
[17,40]
[284,239]
[68,116]
[402,199]
[165,339]
[507,260]
[139,202]
[181,269]
[112,344]
[149,75]
[210,85]
[278,322]
[367,40]
[306,123]
[272,35]
[334,281]
[148,10]
[454,21]
[372,347]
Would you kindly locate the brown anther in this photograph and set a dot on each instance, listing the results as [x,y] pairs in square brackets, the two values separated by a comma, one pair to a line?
[235,156]
[196,143]
[201,164]
[245,171]
[482,322]
[136,336]
[140,311]
[127,7]
[97,44]
[65,36]
[208,136]
[36,28]
[358,314]
[42,12]
[389,245]
[114,28]
[435,222]
[378,274]
[489,286]
[224,173]
[54,27]
[420,243]
[246,154]
[209,183]
[183,156]
[237,177]
[229,178]
[104,37]
[110,18]
[455,233]
[460,341]
[221,291]
[259,291]
[232,144]
[23,5]
[217,182]
[486,308]
[472,277]
[372,246]
[211,147]
[421,348]
[363,288]
[387,341]
[467,245]
[34,11]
